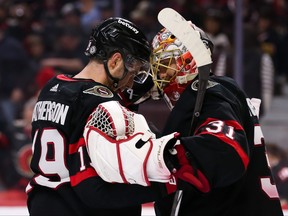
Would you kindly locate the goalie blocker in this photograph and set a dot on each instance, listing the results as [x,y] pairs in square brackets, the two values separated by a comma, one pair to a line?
[123,149]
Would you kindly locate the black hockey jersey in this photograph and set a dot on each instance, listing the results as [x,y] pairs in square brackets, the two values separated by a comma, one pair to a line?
[60,160]
[227,145]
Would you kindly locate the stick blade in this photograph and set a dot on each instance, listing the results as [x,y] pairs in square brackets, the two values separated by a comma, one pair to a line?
[181,28]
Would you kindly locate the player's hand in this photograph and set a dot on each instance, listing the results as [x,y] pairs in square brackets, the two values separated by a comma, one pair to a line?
[179,163]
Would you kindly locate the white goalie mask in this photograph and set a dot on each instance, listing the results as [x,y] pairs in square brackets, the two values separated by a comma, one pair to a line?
[173,66]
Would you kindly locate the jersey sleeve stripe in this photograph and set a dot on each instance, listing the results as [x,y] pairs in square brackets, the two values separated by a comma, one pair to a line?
[242,154]
[80,176]
[73,148]
[224,138]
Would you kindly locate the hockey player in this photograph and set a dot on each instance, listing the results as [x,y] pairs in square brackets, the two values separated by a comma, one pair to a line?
[221,154]
[64,182]
[225,143]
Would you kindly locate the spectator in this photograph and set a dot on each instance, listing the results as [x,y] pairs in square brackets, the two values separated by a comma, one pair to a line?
[22,146]
[68,56]
[8,175]
[71,16]
[36,50]
[15,74]
[269,40]
[107,8]
[212,24]
[145,15]
[258,69]
[20,19]
[90,14]
[48,17]
[279,166]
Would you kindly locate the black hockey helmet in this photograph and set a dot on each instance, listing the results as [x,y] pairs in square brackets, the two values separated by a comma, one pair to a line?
[117,34]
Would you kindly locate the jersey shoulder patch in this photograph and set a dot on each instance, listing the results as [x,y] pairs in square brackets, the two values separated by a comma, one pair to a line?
[210,84]
[100,91]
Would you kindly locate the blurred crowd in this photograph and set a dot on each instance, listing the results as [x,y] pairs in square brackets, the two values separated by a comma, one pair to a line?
[40,39]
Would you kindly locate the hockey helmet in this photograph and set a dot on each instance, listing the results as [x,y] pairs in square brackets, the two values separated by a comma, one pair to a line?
[173,66]
[120,35]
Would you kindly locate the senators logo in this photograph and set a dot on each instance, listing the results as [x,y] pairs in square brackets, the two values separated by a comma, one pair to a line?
[23,160]
[210,84]
[99,91]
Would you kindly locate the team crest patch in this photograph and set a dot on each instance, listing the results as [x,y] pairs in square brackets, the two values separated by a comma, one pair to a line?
[99,91]
[23,160]
[210,84]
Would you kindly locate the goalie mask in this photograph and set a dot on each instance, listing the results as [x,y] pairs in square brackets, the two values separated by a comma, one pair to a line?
[173,67]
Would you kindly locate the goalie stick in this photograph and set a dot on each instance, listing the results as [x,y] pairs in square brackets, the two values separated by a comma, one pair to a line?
[190,38]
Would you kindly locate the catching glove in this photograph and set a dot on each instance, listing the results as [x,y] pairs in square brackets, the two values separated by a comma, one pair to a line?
[123,149]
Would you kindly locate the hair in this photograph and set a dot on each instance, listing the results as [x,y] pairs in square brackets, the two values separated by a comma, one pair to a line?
[276,151]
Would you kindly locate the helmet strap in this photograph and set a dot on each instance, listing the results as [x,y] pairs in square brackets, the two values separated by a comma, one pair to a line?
[115,80]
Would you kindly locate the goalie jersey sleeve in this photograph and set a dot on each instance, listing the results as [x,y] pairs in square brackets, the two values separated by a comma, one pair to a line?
[60,160]
[227,145]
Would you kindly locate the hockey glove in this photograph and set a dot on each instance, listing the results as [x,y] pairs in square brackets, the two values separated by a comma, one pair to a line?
[123,149]
[180,164]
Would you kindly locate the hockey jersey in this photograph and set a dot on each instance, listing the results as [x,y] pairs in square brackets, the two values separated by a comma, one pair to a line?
[227,145]
[60,161]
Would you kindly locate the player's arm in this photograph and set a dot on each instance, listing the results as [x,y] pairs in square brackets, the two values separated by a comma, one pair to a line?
[96,193]
[219,148]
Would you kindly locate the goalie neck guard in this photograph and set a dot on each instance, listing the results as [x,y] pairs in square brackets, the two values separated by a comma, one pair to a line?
[173,66]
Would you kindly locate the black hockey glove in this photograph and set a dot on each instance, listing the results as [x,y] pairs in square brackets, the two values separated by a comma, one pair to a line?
[186,176]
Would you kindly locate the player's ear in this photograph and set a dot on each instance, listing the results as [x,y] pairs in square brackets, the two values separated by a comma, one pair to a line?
[116,65]
[115,60]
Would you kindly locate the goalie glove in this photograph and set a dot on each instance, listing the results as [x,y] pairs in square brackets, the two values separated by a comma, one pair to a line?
[123,149]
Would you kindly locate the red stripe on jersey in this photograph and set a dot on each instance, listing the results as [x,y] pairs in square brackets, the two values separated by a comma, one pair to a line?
[71,79]
[244,157]
[65,78]
[223,137]
[232,123]
[73,147]
[81,176]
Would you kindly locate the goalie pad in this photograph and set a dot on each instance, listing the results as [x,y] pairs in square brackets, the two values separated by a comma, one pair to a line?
[123,149]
